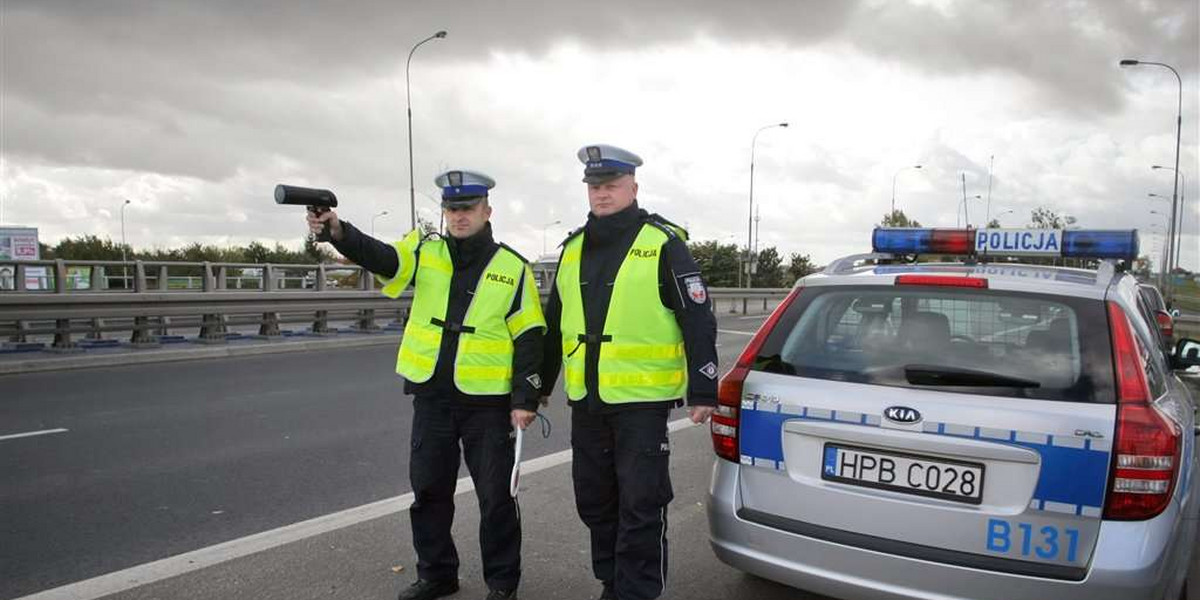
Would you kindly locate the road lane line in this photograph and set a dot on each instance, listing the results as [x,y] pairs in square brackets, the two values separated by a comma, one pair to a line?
[127,579]
[31,434]
[735,332]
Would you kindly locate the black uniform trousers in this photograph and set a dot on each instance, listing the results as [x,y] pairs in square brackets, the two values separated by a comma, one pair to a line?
[438,428]
[621,469]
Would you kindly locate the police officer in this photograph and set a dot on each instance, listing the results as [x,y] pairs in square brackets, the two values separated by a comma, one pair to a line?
[630,322]
[470,356]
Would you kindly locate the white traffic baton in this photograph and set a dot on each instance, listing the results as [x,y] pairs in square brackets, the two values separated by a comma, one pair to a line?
[514,480]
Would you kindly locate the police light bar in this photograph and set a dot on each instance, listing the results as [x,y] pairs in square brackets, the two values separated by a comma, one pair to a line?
[1093,243]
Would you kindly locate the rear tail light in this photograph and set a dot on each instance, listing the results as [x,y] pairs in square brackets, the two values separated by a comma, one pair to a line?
[1166,324]
[941,280]
[1147,443]
[729,391]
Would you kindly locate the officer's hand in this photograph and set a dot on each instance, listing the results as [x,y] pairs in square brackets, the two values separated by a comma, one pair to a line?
[522,418]
[316,223]
[700,414]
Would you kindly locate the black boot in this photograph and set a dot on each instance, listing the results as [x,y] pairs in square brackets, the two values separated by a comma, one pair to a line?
[424,589]
[502,595]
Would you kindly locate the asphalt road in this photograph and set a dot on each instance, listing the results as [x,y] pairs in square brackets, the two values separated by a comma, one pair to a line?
[166,458]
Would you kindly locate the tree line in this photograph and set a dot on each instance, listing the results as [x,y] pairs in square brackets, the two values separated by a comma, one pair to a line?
[92,247]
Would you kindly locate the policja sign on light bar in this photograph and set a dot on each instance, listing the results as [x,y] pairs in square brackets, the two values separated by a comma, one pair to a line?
[1019,242]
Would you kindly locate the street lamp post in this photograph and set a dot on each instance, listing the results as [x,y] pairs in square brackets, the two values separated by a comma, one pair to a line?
[412,194]
[1182,211]
[384,213]
[124,268]
[998,215]
[544,228]
[1172,233]
[894,185]
[750,211]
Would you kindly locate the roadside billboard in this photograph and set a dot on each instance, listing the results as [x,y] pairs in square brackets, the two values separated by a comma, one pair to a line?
[21,243]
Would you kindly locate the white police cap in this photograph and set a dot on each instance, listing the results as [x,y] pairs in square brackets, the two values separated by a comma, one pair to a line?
[463,188]
[603,162]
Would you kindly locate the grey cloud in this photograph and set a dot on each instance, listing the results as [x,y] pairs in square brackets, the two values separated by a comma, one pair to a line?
[202,88]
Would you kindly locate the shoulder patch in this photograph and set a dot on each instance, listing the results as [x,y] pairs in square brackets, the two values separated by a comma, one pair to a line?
[535,380]
[695,289]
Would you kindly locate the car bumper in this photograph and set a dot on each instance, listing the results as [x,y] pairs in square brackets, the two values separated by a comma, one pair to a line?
[1123,567]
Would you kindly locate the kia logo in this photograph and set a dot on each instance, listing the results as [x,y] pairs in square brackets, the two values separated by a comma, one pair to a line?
[902,414]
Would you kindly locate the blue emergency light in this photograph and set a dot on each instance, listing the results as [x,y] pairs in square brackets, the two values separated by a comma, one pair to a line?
[1094,243]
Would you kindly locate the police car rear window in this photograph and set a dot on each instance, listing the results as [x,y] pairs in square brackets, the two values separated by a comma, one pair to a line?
[987,342]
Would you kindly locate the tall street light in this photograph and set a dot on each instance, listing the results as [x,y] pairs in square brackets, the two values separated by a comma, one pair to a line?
[750,212]
[1182,211]
[998,215]
[124,269]
[1129,62]
[412,194]
[384,213]
[894,185]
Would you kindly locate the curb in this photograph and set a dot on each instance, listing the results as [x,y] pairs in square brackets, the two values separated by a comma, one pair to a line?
[143,357]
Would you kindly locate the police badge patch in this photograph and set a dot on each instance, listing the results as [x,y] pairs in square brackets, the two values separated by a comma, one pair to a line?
[535,380]
[709,370]
[695,289]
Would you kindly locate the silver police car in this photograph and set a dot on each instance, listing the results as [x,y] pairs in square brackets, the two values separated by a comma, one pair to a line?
[981,429]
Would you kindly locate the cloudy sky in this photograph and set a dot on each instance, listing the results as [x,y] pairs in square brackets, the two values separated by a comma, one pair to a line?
[195,110]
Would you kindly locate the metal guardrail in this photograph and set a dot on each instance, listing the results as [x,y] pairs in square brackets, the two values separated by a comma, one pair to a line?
[148,310]
[84,276]
[1187,326]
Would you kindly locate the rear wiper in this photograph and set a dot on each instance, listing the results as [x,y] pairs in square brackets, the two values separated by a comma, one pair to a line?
[939,375]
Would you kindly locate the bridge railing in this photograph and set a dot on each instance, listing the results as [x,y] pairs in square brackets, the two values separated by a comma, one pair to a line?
[79,299]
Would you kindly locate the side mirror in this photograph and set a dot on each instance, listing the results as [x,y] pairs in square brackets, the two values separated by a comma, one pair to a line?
[1187,354]
[1166,325]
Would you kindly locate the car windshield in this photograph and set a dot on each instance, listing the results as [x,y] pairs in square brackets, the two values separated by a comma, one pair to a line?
[978,341]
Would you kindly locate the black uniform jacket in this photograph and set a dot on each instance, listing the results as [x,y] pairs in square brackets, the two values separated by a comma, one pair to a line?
[469,256]
[680,288]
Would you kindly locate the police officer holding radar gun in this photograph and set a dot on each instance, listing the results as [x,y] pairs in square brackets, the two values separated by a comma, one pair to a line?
[470,356]
[630,322]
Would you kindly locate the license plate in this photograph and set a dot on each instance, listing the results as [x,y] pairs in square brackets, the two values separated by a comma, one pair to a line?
[907,473]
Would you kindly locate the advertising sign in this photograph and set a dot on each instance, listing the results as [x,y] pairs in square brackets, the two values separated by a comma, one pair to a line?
[18,243]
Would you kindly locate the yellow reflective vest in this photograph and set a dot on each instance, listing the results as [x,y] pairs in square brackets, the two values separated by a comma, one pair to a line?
[483,363]
[641,348]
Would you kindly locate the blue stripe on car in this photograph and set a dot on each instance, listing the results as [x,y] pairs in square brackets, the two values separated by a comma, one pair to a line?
[1069,475]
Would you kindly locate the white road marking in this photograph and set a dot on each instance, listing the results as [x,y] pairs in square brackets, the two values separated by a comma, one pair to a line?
[127,579]
[31,434]
[735,332]
[748,317]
